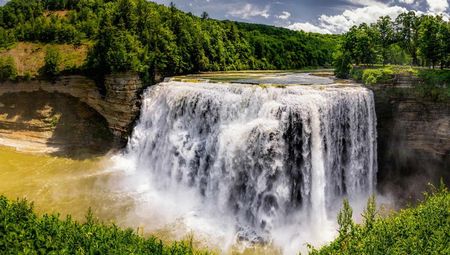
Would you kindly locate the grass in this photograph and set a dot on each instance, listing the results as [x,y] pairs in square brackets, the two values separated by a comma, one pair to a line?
[433,84]
[29,57]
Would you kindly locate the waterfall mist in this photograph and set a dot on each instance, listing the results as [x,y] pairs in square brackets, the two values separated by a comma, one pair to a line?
[247,163]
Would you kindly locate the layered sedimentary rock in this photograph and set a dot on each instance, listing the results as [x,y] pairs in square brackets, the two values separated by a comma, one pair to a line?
[414,142]
[119,106]
[31,111]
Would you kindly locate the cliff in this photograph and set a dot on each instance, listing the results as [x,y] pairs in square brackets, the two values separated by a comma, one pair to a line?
[31,110]
[413,141]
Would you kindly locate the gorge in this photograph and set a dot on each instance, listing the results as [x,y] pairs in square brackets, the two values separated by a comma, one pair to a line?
[253,157]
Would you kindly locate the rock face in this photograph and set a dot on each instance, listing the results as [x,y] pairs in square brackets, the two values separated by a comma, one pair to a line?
[413,142]
[116,109]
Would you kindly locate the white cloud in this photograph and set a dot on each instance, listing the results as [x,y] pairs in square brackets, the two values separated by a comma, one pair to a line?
[249,10]
[343,22]
[407,1]
[437,6]
[308,27]
[284,15]
[369,14]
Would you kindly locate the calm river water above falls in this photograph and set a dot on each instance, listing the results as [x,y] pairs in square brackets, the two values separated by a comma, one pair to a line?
[229,161]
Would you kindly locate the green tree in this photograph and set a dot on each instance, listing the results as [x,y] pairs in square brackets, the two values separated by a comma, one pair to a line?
[51,62]
[430,39]
[8,70]
[407,33]
[386,36]
[116,51]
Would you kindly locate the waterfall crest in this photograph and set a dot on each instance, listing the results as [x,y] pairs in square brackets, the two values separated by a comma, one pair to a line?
[261,154]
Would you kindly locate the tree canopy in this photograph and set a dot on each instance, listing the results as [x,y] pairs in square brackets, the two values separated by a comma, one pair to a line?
[142,36]
[410,39]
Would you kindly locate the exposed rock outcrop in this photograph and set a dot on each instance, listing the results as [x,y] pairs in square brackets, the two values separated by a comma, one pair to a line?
[30,111]
[413,142]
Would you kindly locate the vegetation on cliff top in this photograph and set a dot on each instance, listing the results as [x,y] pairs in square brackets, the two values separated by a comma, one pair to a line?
[151,39]
[410,39]
[421,230]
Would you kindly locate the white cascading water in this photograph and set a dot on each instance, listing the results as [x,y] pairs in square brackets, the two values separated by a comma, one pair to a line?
[271,161]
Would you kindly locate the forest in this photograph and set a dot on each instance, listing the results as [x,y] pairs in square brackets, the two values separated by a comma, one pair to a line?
[410,39]
[152,39]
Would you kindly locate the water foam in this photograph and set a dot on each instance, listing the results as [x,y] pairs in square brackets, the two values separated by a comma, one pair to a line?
[250,163]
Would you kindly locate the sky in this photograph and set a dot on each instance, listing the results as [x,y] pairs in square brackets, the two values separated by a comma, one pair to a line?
[322,16]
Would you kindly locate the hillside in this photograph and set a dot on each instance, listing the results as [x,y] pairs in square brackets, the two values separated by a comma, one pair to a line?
[29,57]
[151,39]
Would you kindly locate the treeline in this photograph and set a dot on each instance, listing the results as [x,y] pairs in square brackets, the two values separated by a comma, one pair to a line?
[410,39]
[141,36]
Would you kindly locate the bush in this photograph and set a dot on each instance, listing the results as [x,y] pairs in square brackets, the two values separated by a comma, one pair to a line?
[421,230]
[356,74]
[6,38]
[23,232]
[374,76]
[8,70]
[435,77]
[52,62]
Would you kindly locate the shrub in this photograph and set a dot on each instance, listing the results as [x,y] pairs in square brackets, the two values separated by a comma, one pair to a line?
[421,230]
[374,76]
[6,38]
[52,61]
[23,232]
[8,70]
[356,74]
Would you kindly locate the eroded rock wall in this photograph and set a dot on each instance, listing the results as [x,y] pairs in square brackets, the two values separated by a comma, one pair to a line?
[30,109]
[413,143]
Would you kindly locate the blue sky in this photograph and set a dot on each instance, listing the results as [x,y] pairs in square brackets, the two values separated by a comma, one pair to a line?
[323,16]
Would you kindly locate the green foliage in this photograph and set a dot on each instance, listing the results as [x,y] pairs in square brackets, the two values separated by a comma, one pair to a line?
[435,77]
[345,219]
[52,62]
[8,70]
[374,76]
[7,38]
[430,43]
[116,51]
[418,40]
[141,36]
[342,65]
[421,230]
[23,232]
[436,85]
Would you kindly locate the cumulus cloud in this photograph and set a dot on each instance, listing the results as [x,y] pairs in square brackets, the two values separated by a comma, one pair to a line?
[368,14]
[308,27]
[249,10]
[341,23]
[284,15]
[407,1]
[437,6]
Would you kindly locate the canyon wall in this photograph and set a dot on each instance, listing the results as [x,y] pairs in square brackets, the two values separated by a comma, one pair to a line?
[413,142]
[33,109]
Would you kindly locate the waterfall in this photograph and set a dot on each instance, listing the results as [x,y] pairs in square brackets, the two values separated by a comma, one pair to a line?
[262,155]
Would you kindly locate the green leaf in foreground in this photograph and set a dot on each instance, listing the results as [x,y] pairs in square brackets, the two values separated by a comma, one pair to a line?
[421,230]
